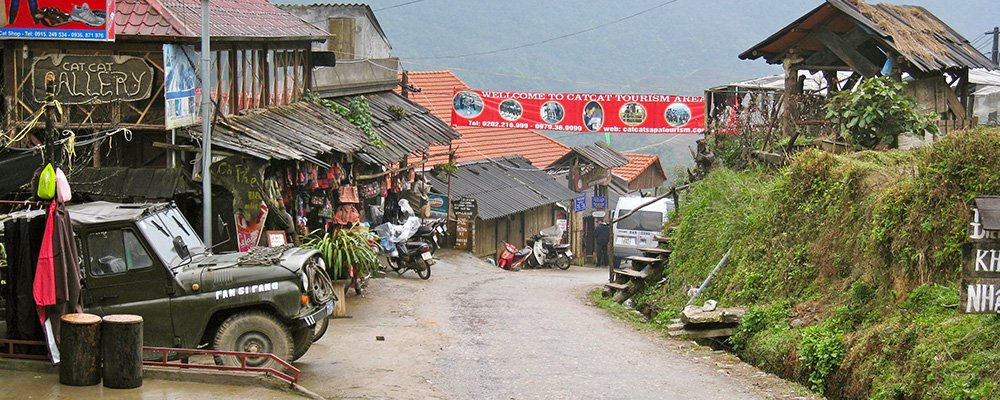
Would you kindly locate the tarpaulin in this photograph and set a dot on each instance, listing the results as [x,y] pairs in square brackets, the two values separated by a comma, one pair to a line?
[579,112]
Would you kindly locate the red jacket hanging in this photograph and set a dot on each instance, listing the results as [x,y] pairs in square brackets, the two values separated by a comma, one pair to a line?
[44,288]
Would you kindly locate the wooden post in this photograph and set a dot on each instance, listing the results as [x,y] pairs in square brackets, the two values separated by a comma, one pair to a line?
[340,289]
[791,104]
[80,345]
[121,349]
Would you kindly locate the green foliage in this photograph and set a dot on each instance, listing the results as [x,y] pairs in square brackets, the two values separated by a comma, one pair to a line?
[878,112]
[448,168]
[865,246]
[357,112]
[345,248]
[821,351]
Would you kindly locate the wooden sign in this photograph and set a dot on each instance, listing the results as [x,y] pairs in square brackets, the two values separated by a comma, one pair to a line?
[276,238]
[980,290]
[92,79]
[466,210]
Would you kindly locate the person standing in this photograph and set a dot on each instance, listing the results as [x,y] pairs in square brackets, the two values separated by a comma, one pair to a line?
[602,236]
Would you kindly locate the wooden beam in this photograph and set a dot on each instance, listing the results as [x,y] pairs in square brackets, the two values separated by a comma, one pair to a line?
[847,51]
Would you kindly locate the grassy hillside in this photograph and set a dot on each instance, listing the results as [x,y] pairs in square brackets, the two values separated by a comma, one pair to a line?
[849,266]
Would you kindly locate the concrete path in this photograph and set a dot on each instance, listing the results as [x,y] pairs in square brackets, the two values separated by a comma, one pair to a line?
[474,331]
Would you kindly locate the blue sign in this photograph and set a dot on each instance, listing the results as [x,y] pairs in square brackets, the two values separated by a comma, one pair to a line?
[580,203]
[599,202]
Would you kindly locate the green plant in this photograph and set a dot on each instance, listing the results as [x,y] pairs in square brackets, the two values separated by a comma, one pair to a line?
[345,248]
[357,112]
[448,168]
[877,112]
[821,351]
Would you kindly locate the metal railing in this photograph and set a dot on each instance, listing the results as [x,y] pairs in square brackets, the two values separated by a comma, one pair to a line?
[291,377]
[8,347]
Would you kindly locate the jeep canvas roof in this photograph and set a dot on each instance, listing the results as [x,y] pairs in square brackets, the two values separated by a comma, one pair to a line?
[97,212]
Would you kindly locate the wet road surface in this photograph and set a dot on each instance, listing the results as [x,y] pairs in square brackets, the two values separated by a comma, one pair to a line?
[475,331]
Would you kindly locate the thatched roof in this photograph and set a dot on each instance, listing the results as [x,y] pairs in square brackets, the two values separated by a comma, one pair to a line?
[925,42]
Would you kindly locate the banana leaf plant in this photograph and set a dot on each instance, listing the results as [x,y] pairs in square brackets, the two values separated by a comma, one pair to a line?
[344,248]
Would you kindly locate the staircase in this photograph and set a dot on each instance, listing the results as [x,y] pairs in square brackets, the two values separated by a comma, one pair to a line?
[645,270]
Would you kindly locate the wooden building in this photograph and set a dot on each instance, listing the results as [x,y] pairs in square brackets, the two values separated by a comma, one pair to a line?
[876,40]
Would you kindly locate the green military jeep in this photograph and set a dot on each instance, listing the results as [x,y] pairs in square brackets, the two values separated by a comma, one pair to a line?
[145,259]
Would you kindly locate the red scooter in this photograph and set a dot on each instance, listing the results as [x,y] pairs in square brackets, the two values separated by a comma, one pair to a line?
[511,258]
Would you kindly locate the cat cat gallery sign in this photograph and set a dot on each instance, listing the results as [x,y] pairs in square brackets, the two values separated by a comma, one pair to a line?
[579,112]
[981,260]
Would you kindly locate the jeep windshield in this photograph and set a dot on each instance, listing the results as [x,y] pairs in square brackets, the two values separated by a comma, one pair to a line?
[160,229]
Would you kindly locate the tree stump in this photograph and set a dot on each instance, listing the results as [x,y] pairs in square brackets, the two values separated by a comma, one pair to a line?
[80,345]
[121,347]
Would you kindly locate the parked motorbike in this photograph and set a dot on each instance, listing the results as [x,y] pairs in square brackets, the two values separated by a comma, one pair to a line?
[511,258]
[433,232]
[403,253]
[547,251]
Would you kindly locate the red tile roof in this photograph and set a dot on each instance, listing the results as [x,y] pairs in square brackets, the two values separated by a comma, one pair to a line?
[638,163]
[437,89]
[231,19]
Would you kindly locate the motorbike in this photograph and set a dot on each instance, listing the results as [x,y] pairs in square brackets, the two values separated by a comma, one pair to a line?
[511,258]
[433,232]
[547,251]
[402,252]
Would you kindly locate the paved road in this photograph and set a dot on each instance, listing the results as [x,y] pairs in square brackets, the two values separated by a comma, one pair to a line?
[474,331]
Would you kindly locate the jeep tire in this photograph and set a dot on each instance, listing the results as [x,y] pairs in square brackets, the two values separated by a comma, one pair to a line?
[253,332]
[302,338]
[320,328]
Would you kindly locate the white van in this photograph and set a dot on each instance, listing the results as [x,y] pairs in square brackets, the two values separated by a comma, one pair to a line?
[639,229]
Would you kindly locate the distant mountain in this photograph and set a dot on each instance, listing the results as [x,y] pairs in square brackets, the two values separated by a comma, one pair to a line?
[679,48]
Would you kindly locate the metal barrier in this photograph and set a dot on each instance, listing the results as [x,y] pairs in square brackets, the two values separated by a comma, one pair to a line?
[293,377]
[7,346]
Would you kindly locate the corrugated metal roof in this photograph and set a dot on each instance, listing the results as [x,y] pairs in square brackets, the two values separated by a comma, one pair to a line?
[404,126]
[503,186]
[231,19]
[302,130]
[924,40]
[437,89]
[598,154]
[135,184]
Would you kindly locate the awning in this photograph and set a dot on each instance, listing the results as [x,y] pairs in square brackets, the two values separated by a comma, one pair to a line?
[124,183]
[503,186]
[403,126]
[598,154]
[301,131]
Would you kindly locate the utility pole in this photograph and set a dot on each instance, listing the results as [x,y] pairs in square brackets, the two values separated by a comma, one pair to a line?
[206,128]
[50,121]
[996,38]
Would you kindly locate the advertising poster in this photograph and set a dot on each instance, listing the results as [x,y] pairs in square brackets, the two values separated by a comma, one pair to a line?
[58,19]
[579,112]
[183,95]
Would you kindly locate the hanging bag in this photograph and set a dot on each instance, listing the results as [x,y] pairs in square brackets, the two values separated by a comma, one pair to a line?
[47,183]
[63,191]
[348,194]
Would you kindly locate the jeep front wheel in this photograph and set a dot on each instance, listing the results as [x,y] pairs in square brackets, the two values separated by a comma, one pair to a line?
[253,332]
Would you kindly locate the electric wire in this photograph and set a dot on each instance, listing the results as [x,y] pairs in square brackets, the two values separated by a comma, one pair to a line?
[398,5]
[552,39]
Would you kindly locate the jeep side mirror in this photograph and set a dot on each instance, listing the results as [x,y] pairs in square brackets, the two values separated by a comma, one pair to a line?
[181,248]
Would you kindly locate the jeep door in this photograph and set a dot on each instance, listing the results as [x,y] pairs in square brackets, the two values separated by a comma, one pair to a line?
[123,277]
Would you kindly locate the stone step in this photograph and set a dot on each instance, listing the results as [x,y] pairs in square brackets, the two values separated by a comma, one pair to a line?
[632,273]
[646,260]
[616,286]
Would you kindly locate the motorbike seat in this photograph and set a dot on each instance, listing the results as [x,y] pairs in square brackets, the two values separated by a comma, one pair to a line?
[417,245]
[424,230]
[523,252]
[561,246]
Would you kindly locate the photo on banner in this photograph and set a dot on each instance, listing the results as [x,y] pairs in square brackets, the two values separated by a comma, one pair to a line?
[58,19]
[580,112]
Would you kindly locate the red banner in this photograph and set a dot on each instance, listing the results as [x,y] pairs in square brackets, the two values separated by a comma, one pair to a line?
[579,112]
[58,19]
